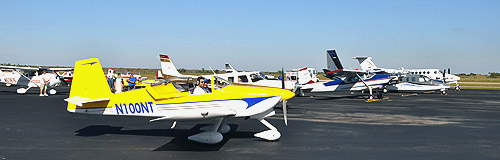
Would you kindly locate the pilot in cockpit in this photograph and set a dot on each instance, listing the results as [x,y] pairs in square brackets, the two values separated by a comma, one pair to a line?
[202,87]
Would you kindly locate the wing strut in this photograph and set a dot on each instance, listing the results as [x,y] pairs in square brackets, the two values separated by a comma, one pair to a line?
[369,88]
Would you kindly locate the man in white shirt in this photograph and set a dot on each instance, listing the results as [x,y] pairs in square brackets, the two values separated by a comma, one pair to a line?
[44,82]
[201,88]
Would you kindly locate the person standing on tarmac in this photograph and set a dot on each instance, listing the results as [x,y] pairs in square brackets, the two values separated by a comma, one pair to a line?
[44,82]
[119,83]
[110,77]
[131,82]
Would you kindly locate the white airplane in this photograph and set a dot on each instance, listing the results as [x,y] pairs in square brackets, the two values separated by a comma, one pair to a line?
[232,75]
[367,64]
[171,100]
[413,83]
[303,76]
[347,80]
[30,77]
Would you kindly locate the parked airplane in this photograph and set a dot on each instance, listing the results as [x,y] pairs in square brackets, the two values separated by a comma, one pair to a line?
[30,77]
[232,75]
[412,83]
[347,80]
[367,64]
[302,76]
[171,100]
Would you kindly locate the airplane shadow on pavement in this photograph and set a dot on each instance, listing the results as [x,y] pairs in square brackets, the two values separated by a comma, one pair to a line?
[180,141]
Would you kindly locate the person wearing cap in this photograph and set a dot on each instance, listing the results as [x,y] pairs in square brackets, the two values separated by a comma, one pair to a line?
[131,82]
[201,88]
[44,82]
[110,77]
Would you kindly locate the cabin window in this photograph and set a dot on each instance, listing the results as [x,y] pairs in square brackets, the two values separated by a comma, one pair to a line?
[243,79]
[428,72]
[220,83]
[255,77]
[413,79]
[435,72]
[230,79]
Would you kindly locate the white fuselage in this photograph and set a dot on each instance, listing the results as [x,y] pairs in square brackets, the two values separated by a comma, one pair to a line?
[15,78]
[254,78]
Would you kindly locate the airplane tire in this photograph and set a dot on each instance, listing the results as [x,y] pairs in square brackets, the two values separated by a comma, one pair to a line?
[21,91]
[52,91]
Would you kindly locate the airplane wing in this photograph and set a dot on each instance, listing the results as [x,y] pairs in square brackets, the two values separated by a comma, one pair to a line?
[336,74]
[60,69]
[20,68]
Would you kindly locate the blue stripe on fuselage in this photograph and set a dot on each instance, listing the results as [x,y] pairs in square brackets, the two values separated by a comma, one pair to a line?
[250,101]
[340,81]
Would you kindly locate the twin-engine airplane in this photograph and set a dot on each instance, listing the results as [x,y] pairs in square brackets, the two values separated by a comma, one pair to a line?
[436,75]
[31,77]
[347,80]
[170,100]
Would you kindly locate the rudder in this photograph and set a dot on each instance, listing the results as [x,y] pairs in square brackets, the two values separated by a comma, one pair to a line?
[168,67]
[89,80]
[333,61]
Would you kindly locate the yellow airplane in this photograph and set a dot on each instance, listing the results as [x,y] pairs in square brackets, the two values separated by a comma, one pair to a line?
[171,100]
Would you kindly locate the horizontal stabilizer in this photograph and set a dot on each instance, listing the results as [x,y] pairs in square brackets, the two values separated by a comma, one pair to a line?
[79,101]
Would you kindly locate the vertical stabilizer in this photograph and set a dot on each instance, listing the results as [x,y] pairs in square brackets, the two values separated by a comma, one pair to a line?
[159,75]
[89,82]
[230,69]
[333,61]
[366,63]
[167,66]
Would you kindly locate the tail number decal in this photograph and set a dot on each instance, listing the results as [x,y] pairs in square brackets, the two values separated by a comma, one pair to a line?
[10,80]
[134,108]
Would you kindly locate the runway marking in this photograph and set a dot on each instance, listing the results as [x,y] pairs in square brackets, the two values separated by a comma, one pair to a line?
[374,100]
[374,119]
[406,95]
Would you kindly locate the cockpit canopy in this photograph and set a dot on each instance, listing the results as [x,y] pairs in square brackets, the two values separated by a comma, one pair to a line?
[185,84]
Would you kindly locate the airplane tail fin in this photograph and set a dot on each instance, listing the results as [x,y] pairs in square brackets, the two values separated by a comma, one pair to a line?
[333,61]
[168,67]
[229,68]
[89,84]
[159,75]
[366,63]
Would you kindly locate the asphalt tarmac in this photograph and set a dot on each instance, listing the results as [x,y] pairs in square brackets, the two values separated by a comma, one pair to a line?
[461,125]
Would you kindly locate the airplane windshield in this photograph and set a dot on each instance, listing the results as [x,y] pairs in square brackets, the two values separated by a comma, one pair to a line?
[183,84]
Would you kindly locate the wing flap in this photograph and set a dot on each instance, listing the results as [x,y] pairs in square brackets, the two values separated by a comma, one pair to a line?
[79,101]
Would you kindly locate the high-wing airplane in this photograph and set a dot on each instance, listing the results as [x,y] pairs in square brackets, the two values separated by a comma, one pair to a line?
[367,64]
[232,75]
[30,77]
[347,80]
[414,83]
[170,100]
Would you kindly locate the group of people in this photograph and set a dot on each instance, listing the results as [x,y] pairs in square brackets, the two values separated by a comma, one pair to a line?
[115,81]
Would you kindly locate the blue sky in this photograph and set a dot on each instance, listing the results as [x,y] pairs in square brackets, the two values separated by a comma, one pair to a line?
[254,35]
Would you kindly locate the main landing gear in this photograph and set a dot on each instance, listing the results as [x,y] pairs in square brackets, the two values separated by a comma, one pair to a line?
[213,133]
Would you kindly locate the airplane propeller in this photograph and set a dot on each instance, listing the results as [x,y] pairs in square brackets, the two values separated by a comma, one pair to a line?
[284,100]
[444,75]
[61,78]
